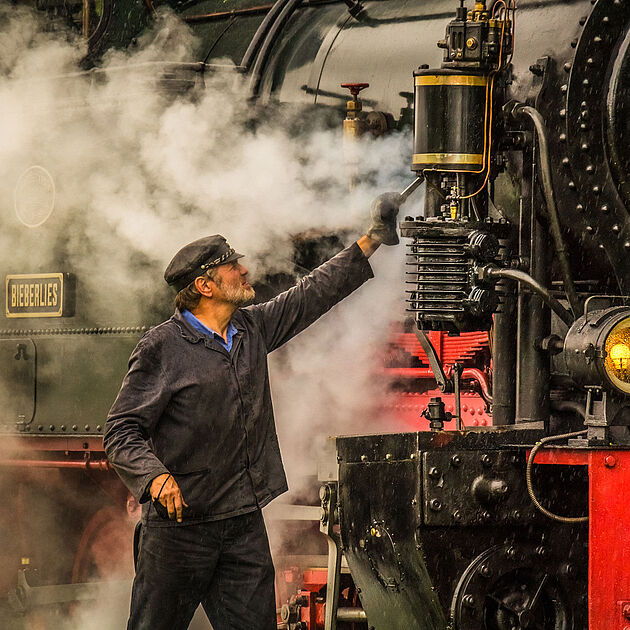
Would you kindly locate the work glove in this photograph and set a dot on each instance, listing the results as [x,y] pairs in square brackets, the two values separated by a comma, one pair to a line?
[383,213]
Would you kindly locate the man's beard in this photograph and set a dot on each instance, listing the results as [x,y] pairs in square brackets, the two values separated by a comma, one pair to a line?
[237,296]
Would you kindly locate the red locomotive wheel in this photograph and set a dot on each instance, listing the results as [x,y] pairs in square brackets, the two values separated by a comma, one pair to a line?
[105,549]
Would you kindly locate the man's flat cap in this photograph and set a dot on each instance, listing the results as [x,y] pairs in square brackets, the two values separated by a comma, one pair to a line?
[196,258]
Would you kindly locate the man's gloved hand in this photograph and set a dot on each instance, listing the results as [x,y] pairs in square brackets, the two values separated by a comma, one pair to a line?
[383,213]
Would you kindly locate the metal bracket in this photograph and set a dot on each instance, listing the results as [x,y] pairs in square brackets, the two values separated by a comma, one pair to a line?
[444,383]
[328,496]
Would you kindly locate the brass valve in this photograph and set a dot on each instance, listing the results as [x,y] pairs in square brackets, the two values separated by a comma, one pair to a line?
[353,125]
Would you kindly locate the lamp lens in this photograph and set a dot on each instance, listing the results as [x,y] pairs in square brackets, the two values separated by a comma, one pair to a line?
[617,362]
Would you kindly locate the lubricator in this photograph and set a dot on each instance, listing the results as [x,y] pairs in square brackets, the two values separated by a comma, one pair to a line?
[453,152]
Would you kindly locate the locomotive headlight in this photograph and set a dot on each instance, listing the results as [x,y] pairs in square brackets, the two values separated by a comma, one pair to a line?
[597,349]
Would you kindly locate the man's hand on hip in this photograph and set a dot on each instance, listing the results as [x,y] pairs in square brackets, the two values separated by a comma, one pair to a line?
[164,489]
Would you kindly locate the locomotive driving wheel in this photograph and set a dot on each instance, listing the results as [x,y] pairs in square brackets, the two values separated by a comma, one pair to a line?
[511,587]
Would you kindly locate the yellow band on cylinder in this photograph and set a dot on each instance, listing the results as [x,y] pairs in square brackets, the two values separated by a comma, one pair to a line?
[451,79]
[448,158]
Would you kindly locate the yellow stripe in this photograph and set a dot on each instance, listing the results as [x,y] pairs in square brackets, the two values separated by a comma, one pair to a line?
[448,158]
[451,79]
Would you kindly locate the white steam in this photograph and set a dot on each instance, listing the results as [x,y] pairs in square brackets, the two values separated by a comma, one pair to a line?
[139,173]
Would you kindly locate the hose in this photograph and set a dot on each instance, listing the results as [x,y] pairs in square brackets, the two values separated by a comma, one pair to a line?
[528,478]
[534,285]
[552,209]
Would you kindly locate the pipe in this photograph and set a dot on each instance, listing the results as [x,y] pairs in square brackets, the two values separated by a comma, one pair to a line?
[275,29]
[526,279]
[87,464]
[351,615]
[260,34]
[552,209]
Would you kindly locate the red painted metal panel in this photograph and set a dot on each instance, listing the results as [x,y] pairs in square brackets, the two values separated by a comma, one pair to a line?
[609,516]
[609,551]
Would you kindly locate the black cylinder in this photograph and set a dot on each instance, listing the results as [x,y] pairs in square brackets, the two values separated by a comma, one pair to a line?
[450,121]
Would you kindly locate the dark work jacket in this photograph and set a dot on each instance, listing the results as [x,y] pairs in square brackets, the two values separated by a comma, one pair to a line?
[189,407]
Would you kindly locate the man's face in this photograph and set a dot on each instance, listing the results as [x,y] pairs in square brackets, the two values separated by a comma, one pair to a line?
[231,284]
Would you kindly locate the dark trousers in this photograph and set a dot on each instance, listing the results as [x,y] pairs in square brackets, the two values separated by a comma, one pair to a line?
[223,565]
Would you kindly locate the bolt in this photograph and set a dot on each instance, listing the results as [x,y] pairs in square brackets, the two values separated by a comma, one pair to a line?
[486,460]
[568,569]
[510,553]
[434,472]
[468,601]
[485,571]
[457,516]
[516,515]
[456,461]
[435,505]
[610,461]
[541,551]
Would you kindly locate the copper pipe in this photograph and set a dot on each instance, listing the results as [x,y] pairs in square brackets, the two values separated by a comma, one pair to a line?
[88,464]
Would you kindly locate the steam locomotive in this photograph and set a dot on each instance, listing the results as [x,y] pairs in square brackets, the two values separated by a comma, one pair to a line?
[521,136]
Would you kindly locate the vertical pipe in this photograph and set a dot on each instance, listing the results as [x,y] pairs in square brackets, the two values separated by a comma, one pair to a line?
[534,317]
[504,360]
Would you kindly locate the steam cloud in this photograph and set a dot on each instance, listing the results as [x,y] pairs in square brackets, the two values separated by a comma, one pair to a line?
[138,173]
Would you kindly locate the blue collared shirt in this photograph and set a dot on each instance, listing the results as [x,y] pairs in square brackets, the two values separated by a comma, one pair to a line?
[195,323]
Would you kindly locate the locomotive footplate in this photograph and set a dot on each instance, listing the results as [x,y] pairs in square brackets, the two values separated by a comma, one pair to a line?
[439,532]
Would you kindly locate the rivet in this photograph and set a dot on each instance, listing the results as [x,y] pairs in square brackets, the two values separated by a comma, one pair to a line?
[584,126]
[562,137]
[63,427]
[579,207]
[468,601]
[582,20]
[40,427]
[485,570]
[574,43]
[456,461]
[564,88]
[584,146]
[627,245]
[601,246]
[597,39]
[571,185]
[99,427]
[604,208]
[567,67]
[605,19]
[87,427]
[51,427]
[590,61]
[590,168]
[610,461]
[562,113]
[457,516]
[616,229]
[566,161]
[486,460]
[589,229]
[434,472]
[364,458]
[75,427]
[510,552]
[585,82]
[597,190]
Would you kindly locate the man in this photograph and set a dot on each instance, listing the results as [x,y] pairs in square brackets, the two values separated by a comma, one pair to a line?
[193,437]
